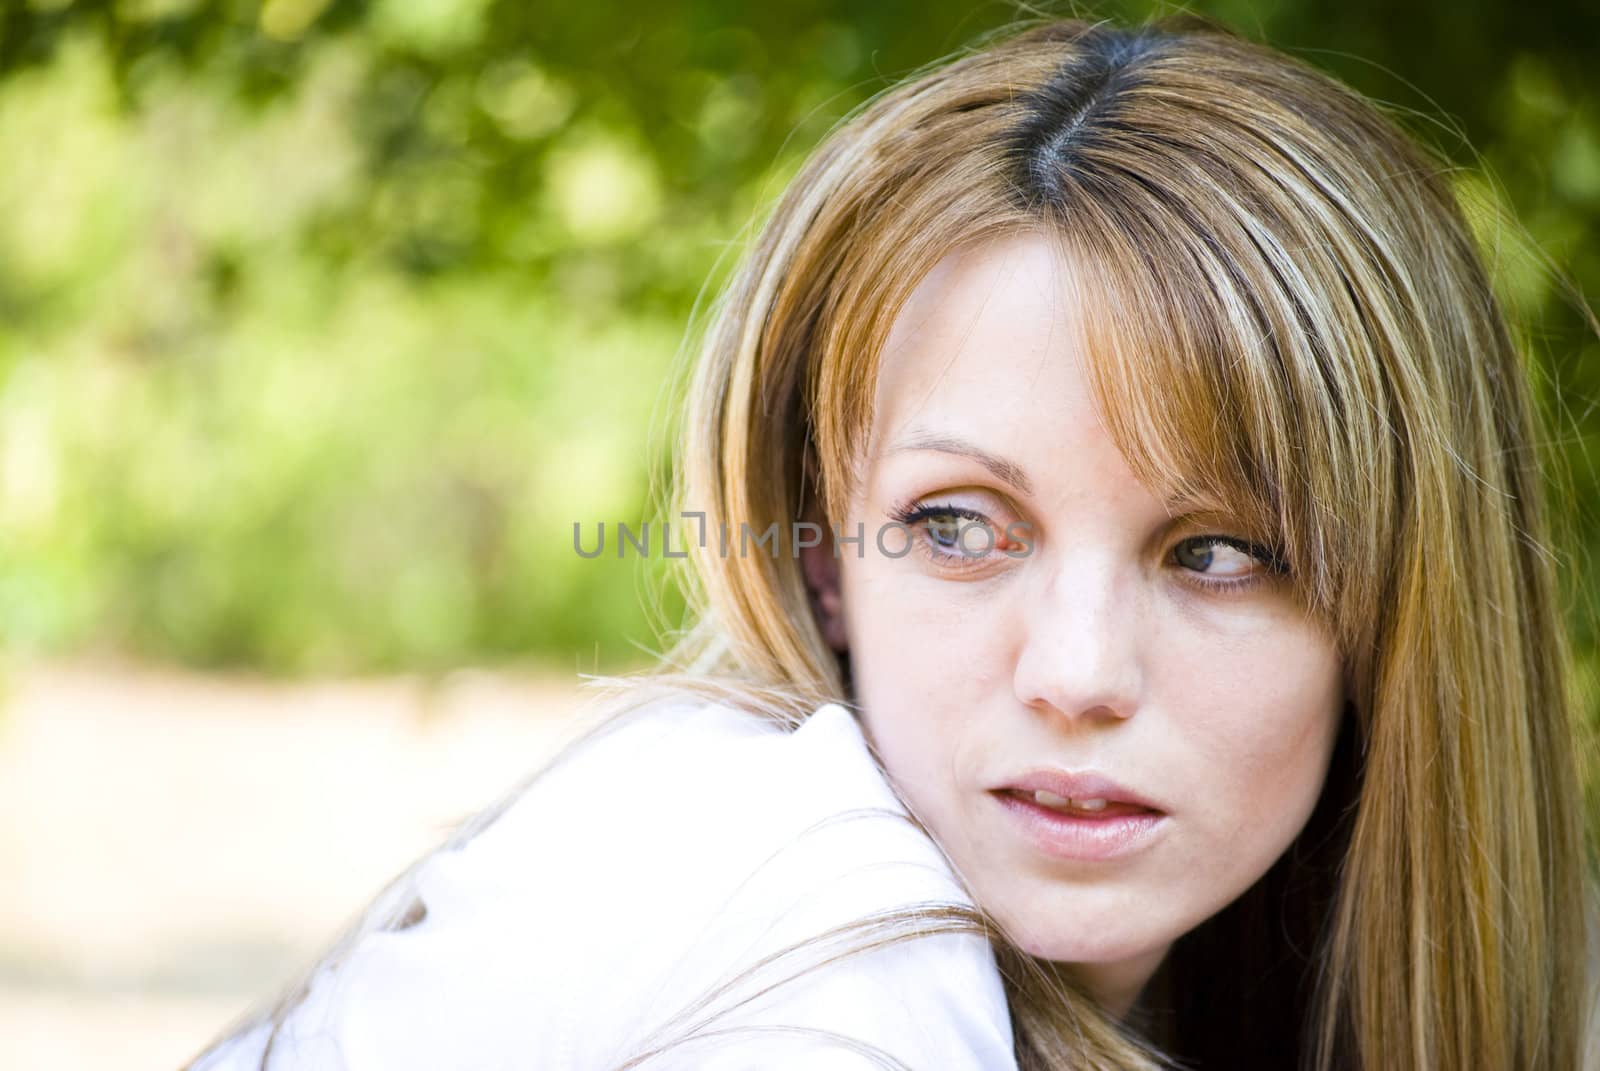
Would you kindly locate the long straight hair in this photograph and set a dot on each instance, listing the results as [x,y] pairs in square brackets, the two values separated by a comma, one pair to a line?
[1291,318]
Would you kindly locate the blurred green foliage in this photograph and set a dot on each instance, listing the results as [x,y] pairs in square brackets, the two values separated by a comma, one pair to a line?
[322,322]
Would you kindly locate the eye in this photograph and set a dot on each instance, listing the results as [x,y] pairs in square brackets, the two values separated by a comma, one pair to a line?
[1224,562]
[957,538]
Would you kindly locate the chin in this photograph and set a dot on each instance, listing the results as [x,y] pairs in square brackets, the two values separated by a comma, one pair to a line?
[1075,930]
[1089,947]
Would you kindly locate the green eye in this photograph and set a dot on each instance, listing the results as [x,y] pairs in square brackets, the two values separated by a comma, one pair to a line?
[1200,553]
[955,538]
[946,530]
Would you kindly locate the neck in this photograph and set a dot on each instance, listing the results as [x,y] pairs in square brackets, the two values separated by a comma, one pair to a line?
[1116,986]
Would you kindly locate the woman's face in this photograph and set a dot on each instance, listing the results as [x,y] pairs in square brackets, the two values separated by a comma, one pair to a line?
[1151,666]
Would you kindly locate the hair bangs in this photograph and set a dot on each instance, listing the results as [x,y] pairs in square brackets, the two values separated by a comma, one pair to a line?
[1189,378]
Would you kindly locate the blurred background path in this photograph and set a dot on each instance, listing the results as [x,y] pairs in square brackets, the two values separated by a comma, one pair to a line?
[177,846]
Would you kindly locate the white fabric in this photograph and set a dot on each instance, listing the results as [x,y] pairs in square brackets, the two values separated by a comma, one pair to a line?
[660,858]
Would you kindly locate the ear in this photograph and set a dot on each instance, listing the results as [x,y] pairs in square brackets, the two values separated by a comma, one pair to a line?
[821,567]
[822,583]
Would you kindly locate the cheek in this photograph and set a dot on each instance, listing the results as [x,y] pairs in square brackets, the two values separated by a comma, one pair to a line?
[924,665]
[895,610]
[1262,731]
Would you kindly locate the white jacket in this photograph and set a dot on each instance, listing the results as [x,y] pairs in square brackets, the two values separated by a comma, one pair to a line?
[667,855]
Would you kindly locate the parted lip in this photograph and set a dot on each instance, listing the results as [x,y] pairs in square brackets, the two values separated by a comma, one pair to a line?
[1082,785]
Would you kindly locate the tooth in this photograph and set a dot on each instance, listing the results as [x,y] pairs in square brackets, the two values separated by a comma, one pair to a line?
[1050,799]
[1090,805]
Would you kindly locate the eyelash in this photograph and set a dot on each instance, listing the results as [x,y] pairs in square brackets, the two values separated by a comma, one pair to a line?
[1272,564]
[1273,567]
[911,515]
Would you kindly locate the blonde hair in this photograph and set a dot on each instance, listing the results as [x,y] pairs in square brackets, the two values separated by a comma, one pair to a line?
[1293,320]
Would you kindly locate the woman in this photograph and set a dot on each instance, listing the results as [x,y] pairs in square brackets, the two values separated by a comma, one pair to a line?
[1121,424]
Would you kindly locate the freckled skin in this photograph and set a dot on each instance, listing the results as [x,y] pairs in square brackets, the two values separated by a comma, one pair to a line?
[1093,651]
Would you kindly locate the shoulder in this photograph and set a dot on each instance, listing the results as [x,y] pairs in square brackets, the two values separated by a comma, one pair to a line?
[691,875]
[696,794]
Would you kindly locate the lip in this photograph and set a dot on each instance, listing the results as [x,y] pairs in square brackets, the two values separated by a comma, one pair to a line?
[1131,822]
[1087,785]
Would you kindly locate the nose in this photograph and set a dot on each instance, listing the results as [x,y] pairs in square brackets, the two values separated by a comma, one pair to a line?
[1081,646]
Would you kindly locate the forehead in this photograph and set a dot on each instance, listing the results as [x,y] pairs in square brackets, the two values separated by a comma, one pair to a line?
[992,338]
[986,361]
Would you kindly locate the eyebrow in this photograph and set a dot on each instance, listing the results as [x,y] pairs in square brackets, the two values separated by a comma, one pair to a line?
[1012,473]
[1006,471]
